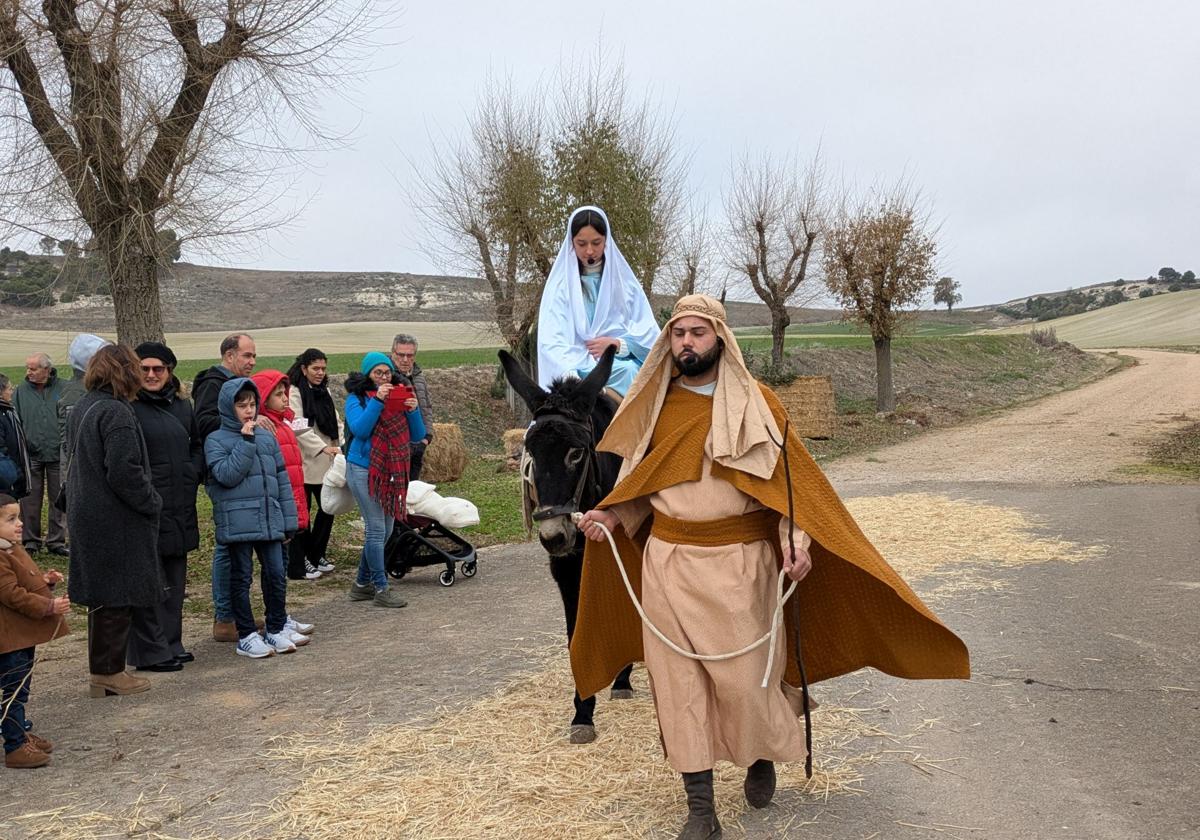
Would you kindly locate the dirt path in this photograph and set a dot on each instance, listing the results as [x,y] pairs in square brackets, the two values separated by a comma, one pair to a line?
[1076,436]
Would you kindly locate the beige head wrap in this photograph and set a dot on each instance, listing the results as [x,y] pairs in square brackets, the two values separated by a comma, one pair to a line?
[742,424]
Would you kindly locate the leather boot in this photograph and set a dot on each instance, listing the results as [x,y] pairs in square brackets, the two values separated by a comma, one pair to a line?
[702,813]
[26,757]
[760,783]
[224,631]
[122,682]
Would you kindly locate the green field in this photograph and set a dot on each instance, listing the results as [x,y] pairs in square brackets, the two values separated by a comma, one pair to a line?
[1165,320]
[843,328]
[350,338]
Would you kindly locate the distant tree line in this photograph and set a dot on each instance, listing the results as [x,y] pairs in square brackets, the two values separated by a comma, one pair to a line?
[1076,301]
[63,272]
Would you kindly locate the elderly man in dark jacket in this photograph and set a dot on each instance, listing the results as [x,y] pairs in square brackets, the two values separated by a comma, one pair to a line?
[238,356]
[36,403]
[176,469]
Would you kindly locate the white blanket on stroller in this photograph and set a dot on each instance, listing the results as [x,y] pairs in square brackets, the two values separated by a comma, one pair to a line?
[424,500]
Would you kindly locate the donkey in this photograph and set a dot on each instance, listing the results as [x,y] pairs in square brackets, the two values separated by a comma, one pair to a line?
[569,476]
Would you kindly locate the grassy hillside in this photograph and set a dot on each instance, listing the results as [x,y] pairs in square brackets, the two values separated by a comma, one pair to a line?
[1160,321]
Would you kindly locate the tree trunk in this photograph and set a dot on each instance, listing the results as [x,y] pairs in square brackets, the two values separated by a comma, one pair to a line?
[133,276]
[525,353]
[885,393]
[779,324]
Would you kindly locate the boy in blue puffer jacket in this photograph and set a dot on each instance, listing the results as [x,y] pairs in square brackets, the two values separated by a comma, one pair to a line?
[255,511]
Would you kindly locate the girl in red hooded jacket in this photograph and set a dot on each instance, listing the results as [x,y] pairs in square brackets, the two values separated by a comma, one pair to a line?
[274,385]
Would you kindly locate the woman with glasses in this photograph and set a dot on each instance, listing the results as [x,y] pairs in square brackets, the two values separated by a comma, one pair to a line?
[176,469]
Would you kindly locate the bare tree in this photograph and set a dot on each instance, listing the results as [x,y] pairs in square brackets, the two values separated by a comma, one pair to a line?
[497,201]
[776,215]
[485,199]
[130,116]
[879,261]
[693,265]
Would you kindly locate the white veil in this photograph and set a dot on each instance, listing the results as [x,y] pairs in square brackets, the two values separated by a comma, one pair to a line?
[622,310]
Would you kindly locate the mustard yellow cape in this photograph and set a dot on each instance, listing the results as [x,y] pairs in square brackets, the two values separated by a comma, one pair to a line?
[854,611]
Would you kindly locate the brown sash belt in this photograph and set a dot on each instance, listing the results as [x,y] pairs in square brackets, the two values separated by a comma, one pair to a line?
[729,530]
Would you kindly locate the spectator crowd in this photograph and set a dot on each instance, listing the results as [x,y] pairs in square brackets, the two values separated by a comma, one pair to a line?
[103,469]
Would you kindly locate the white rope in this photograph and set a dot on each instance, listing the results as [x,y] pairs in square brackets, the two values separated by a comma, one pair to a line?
[770,636]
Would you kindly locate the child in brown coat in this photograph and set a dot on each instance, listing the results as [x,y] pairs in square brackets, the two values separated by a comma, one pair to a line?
[29,615]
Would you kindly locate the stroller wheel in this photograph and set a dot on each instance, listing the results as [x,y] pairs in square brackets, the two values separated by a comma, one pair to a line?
[470,568]
[446,578]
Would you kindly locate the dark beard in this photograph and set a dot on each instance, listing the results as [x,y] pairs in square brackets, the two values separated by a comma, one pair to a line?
[691,364]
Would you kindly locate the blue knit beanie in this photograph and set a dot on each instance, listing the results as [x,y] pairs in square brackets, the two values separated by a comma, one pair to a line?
[373,360]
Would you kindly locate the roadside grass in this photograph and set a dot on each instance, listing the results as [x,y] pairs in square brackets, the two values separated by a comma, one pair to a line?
[1177,455]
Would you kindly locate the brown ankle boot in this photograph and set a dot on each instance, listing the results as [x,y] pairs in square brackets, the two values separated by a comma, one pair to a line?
[123,682]
[760,783]
[39,743]
[224,631]
[702,813]
[26,757]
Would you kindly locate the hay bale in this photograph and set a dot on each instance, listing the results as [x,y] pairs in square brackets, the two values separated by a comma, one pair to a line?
[446,457]
[810,405]
[514,442]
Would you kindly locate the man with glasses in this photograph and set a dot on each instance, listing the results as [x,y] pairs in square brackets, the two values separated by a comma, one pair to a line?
[404,357]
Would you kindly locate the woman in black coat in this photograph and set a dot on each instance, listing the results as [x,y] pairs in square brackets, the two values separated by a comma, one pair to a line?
[176,469]
[112,513]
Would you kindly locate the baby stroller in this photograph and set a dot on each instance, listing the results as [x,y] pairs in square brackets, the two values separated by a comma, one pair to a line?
[421,541]
[424,538]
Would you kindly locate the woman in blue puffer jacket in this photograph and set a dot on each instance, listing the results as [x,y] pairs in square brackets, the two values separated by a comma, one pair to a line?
[377,464]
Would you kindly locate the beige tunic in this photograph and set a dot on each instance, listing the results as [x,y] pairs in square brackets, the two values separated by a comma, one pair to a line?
[714,600]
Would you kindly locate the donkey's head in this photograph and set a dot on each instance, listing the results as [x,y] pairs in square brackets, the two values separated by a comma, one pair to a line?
[561,443]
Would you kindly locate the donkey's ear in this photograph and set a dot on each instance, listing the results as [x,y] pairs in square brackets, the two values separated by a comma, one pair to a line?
[526,388]
[591,387]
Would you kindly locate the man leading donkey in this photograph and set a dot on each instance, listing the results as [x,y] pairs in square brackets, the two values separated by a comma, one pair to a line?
[715,499]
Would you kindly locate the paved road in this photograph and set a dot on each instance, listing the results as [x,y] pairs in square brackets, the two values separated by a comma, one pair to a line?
[1082,719]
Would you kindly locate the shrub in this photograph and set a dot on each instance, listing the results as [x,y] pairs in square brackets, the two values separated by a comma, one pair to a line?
[1046,337]
[1174,287]
[1145,293]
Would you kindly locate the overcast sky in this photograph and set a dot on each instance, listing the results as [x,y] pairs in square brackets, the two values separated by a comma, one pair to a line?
[1055,141]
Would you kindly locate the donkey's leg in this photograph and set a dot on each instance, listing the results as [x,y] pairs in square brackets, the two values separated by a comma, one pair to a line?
[622,688]
[567,572]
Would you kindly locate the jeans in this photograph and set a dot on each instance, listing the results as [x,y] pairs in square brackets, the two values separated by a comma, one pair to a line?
[222,607]
[16,667]
[272,579]
[379,528]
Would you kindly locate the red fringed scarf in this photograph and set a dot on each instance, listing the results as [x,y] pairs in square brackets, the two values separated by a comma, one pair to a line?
[387,476]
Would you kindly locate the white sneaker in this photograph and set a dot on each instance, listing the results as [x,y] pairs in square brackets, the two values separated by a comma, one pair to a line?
[293,636]
[310,571]
[254,647]
[298,626]
[324,566]
[279,642]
